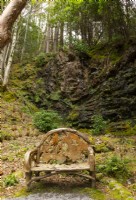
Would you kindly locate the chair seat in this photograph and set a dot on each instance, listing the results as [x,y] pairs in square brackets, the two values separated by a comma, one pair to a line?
[62,167]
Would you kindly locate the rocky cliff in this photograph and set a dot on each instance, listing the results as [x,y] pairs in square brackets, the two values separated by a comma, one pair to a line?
[102,82]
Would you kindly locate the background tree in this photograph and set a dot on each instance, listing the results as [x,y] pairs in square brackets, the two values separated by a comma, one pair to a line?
[45,27]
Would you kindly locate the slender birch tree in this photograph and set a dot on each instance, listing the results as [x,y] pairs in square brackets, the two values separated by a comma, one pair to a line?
[10,59]
[8,18]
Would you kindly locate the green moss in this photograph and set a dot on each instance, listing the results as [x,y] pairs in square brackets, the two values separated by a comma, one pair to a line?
[133,187]
[123,128]
[128,132]
[99,176]
[22,192]
[29,108]
[74,114]
[85,130]
[25,80]
[96,56]
[9,96]
[105,139]
[9,158]
[118,191]
[19,174]
[101,148]
[5,135]
[94,193]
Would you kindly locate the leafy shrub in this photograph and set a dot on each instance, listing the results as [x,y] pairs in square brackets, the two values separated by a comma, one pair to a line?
[10,180]
[47,120]
[40,60]
[115,166]
[80,46]
[99,125]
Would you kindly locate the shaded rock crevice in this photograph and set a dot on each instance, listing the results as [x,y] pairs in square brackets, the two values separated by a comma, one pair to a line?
[90,86]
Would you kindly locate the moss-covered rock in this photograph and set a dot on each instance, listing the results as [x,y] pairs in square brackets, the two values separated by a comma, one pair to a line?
[101,148]
[123,128]
[94,193]
[103,144]
[9,96]
[117,191]
[73,115]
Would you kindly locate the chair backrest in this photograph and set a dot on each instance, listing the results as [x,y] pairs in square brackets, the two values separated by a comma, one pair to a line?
[64,145]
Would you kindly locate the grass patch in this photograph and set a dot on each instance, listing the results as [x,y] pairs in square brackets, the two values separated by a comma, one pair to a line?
[10,180]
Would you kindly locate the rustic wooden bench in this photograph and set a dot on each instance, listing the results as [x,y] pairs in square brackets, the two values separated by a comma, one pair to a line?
[62,150]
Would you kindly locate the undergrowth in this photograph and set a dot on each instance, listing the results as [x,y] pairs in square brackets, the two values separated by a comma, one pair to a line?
[10,180]
[46,120]
[115,167]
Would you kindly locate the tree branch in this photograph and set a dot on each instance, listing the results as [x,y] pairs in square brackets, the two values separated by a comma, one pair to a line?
[7,19]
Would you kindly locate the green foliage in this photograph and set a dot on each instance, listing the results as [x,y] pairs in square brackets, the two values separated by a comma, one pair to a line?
[80,46]
[47,120]
[99,125]
[123,128]
[115,166]
[33,39]
[55,95]
[10,180]
[128,132]
[4,136]
[73,115]
[29,108]
[40,60]
[102,147]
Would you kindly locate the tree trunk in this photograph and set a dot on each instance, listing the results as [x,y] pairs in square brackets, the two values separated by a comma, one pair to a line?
[51,38]
[61,34]
[44,42]
[48,39]
[5,55]
[56,34]
[1,66]
[70,34]
[7,19]
[10,59]
[26,31]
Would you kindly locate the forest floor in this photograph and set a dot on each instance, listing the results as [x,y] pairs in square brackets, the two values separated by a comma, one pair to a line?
[18,135]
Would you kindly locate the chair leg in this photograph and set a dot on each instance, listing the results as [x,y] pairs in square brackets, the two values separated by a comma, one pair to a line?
[93,181]
[28,176]
[37,174]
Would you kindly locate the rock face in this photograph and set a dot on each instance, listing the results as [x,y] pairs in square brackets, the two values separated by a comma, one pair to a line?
[68,75]
[81,86]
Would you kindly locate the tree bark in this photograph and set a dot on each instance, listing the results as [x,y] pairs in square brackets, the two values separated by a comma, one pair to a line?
[56,35]
[7,19]
[10,59]
[61,34]
[48,38]
[26,32]
[1,66]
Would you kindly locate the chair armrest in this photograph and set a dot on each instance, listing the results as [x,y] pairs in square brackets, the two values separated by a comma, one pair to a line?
[91,158]
[29,159]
